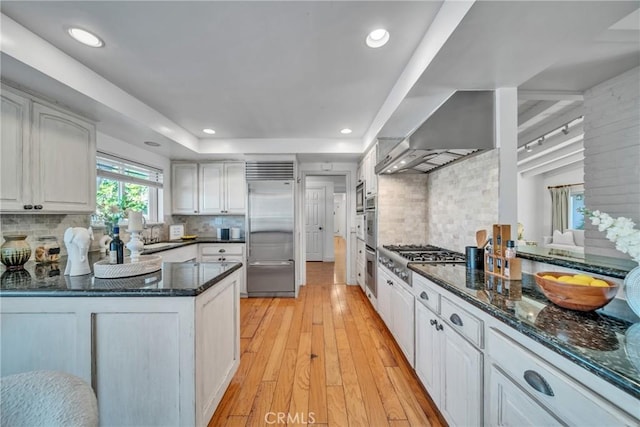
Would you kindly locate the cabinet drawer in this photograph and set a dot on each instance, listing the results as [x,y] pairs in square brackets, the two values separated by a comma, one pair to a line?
[221,257]
[567,399]
[462,321]
[427,295]
[220,249]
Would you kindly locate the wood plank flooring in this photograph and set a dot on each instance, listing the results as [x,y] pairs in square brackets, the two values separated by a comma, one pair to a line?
[323,359]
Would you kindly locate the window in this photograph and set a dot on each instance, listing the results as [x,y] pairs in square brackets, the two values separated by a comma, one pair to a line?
[576,204]
[123,184]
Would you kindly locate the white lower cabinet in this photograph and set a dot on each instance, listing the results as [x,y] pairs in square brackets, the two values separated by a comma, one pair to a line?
[396,307]
[510,406]
[181,254]
[361,262]
[225,252]
[546,390]
[450,368]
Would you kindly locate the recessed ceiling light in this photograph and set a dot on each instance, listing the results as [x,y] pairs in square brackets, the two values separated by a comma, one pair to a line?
[395,166]
[402,162]
[377,38]
[346,131]
[152,144]
[85,37]
[209,131]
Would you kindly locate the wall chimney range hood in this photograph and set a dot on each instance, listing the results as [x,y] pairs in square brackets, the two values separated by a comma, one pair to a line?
[462,126]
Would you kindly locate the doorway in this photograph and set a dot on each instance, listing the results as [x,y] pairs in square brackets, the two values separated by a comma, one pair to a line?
[325,220]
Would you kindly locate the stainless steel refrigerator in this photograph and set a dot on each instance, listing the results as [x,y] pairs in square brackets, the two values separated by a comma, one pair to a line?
[270,270]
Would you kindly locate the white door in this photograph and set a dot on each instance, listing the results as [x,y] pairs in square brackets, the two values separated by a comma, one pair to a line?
[184,188]
[314,222]
[403,319]
[15,135]
[384,297]
[339,215]
[428,351]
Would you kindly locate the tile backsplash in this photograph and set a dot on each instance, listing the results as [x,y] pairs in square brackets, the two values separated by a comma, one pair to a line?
[35,226]
[402,209]
[207,225]
[463,198]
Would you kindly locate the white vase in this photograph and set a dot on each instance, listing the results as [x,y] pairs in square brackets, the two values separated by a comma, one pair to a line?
[632,289]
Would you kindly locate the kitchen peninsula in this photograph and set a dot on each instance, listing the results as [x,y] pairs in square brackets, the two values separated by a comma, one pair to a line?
[158,349]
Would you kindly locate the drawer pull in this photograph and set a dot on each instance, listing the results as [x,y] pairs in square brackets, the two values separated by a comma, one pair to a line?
[389,282]
[424,296]
[221,251]
[538,382]
[455,319]
[28,207]
[439,326]
[433,322]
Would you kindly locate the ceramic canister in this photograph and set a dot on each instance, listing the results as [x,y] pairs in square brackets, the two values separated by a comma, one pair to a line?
[15,251]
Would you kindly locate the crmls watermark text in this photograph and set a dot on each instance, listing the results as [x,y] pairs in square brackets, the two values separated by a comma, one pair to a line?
[288,418]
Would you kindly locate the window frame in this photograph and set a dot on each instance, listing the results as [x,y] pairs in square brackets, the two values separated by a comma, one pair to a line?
[126,173]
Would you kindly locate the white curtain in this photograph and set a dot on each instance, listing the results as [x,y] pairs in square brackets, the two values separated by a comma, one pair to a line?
[559,208]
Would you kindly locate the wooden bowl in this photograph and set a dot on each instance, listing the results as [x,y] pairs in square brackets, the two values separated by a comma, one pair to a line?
[575,297]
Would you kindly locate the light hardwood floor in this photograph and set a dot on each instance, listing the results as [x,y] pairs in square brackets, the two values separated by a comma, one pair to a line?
[322,359]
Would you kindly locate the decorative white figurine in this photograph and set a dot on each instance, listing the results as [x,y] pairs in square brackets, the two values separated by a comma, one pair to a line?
[135,226]
[77,240]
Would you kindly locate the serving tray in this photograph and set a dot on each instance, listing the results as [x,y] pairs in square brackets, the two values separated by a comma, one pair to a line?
[147,264]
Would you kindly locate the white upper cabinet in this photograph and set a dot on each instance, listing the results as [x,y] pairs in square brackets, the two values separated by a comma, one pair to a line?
[13,152]
[211,188]
[215,188]
[366,171]
[184,188]
[48,158]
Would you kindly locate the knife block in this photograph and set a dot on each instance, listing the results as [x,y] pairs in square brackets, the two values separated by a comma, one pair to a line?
[496,263]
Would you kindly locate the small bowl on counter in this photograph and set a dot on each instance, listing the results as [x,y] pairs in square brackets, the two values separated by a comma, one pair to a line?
[574,296]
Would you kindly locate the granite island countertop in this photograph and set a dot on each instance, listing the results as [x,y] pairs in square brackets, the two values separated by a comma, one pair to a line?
[174,279]
[602,344]
[607,266]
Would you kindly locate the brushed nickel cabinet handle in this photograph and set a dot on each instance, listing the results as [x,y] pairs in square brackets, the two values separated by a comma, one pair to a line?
[424,296]
[455,319]
[537,382]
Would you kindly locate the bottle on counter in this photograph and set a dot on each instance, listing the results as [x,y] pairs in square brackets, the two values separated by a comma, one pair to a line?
[488,254]
[509,254]
[116,248]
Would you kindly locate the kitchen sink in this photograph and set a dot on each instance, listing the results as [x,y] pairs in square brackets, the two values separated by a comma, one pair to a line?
[160,245]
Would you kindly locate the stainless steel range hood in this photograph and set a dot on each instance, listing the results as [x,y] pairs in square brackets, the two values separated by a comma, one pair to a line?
[462,126]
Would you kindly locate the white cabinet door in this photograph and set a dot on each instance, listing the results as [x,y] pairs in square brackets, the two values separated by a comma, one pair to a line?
[235,188]
[402,306]
[184,188]
[428,351]
[384,297]
[211,188]
[461,382]
[63,158]
[15,182]
[372,181]
[510,406]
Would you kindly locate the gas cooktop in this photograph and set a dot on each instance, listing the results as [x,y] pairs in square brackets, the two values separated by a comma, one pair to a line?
[426,253]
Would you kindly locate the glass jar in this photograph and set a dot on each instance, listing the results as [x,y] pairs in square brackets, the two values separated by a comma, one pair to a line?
[510,251]
[47,249]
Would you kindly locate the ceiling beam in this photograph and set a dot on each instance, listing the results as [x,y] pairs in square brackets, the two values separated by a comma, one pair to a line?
[555,95]
[552,124]
[554,164]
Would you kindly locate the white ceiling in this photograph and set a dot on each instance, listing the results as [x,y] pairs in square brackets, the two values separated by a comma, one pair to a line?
[287,76]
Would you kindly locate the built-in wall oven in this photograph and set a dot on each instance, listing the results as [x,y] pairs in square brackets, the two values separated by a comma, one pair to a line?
[360,197]
[370,280]
[370,223]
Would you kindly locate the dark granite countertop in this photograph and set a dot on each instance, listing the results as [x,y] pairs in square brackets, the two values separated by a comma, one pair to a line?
[601,343]
[612,267]
[173,244]
[174,279]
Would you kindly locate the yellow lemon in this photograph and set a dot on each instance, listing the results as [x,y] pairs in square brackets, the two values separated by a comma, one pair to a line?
[548,276]
[583,277]
[573,281]
[564,278]
[600,283]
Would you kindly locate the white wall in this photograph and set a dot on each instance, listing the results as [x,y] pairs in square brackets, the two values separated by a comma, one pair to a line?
[612,154]
[110,145]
